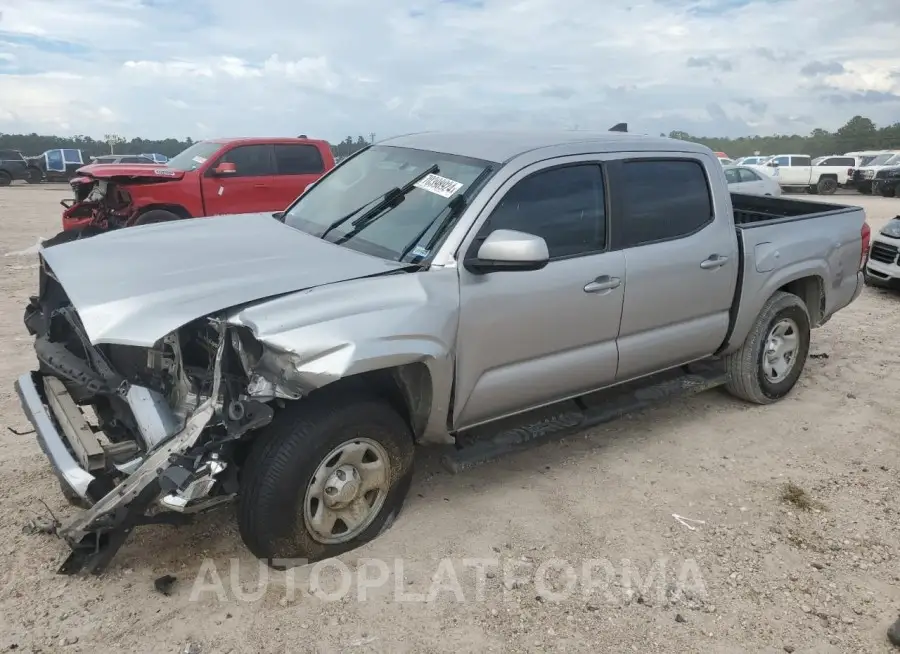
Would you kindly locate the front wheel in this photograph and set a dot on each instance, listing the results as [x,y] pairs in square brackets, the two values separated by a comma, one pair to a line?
[5,178]
[329,474]
[35,176]
[768,364]
[887,191]
[156,216]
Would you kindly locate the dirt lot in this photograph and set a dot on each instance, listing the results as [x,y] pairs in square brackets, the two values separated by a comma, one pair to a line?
[820,573]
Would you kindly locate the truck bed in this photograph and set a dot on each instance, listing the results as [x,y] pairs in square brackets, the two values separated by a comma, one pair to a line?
[757,210]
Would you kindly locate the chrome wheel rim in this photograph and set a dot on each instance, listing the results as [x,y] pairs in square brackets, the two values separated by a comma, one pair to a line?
[347,491]
[780,355]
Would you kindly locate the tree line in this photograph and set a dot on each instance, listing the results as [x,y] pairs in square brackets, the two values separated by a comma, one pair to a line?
[859,133]
[34,144]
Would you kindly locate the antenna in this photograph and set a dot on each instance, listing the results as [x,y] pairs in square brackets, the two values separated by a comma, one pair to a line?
[619,127]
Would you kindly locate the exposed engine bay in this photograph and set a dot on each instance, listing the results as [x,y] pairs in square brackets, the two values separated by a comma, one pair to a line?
[169,426]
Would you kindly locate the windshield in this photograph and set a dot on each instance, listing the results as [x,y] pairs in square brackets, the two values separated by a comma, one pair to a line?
[880,159]
[194,157]
[363,180]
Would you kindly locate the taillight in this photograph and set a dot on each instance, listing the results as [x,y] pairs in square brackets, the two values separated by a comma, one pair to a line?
[865,233]
[849,172]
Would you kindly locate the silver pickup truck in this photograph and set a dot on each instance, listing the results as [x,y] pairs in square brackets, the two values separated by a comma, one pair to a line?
[479,291]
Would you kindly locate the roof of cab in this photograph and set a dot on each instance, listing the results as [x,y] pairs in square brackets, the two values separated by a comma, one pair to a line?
[502,146]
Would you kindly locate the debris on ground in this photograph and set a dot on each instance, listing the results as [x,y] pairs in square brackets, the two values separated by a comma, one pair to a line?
[164,584]
[893,633]
[823,355]
[40,526]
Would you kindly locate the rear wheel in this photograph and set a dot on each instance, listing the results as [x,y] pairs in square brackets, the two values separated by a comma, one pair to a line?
[766,367]
[328,475]
[827,186]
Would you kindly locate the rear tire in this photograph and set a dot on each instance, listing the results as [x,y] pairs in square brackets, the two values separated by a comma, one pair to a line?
[827,186]
[156,216]
[784,318]
[280,512]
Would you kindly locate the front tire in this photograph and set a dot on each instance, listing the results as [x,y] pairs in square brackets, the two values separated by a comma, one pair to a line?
[769,363]
[35,176]
[5,178]
[329,474]
[887,191]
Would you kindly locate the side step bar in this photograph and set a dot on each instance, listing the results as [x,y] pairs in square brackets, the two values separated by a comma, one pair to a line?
[523,432]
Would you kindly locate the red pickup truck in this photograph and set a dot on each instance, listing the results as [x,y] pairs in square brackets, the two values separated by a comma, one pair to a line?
[220,176]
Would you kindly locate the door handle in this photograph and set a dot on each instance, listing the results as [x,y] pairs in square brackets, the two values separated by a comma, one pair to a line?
[714,261]
[602,283]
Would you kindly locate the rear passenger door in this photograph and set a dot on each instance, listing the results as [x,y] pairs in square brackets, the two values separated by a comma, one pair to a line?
[680,261]
[247,191]
[533,337]
[296,167]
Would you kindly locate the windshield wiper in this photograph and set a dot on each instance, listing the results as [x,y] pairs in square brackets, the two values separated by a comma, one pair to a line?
[456,206]
[388,201]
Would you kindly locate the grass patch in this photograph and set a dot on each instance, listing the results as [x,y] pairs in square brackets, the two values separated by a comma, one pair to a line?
[792,494]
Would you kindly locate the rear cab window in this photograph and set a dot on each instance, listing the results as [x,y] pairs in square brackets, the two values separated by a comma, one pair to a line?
[298,159]
[661,200]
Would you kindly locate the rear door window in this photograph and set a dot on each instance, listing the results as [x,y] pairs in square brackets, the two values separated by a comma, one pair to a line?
[801,161]
[748,175]
[663,200]
[299,159]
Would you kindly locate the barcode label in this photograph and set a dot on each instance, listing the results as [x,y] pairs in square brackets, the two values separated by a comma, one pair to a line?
[439,185]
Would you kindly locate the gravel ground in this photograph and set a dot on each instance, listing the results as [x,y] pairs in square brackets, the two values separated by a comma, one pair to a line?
[786,537]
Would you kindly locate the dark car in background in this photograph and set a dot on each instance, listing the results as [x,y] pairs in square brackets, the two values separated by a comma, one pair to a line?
[54,165]
[122,159]
[12,167]
[887,182]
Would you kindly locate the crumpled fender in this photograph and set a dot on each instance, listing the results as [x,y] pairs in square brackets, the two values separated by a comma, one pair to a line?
[316,337]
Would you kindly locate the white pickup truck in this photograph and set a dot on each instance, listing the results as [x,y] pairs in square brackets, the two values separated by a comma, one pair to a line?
[798,171]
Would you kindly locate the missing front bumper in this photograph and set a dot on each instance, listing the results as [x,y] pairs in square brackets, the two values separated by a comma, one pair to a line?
[96,533]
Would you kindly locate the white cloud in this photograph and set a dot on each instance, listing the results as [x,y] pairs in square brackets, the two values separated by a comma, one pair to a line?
[159,68]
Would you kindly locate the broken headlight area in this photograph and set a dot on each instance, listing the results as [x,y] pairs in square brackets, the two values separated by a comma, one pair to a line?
[135,434]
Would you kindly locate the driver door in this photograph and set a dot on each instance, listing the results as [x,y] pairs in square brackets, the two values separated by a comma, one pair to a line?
[249,190]
[530,338]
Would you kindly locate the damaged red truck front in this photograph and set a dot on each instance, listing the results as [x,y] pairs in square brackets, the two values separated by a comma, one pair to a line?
[221,176]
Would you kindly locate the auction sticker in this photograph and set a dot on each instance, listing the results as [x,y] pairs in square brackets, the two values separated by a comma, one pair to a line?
[439,185]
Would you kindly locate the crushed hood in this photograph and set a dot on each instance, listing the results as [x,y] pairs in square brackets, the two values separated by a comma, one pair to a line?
[145,173]
[133,286]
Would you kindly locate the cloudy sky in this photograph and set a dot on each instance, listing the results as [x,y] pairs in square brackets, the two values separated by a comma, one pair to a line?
[201,68]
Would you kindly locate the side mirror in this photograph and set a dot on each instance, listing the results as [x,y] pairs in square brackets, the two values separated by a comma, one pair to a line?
[224,169]
[509,250]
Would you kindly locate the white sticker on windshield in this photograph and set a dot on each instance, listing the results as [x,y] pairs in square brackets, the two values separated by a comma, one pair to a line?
[439,185]
[420,252]
[198,159]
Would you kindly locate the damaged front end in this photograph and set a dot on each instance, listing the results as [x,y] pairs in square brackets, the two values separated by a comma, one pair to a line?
[98,203]
[137,435]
